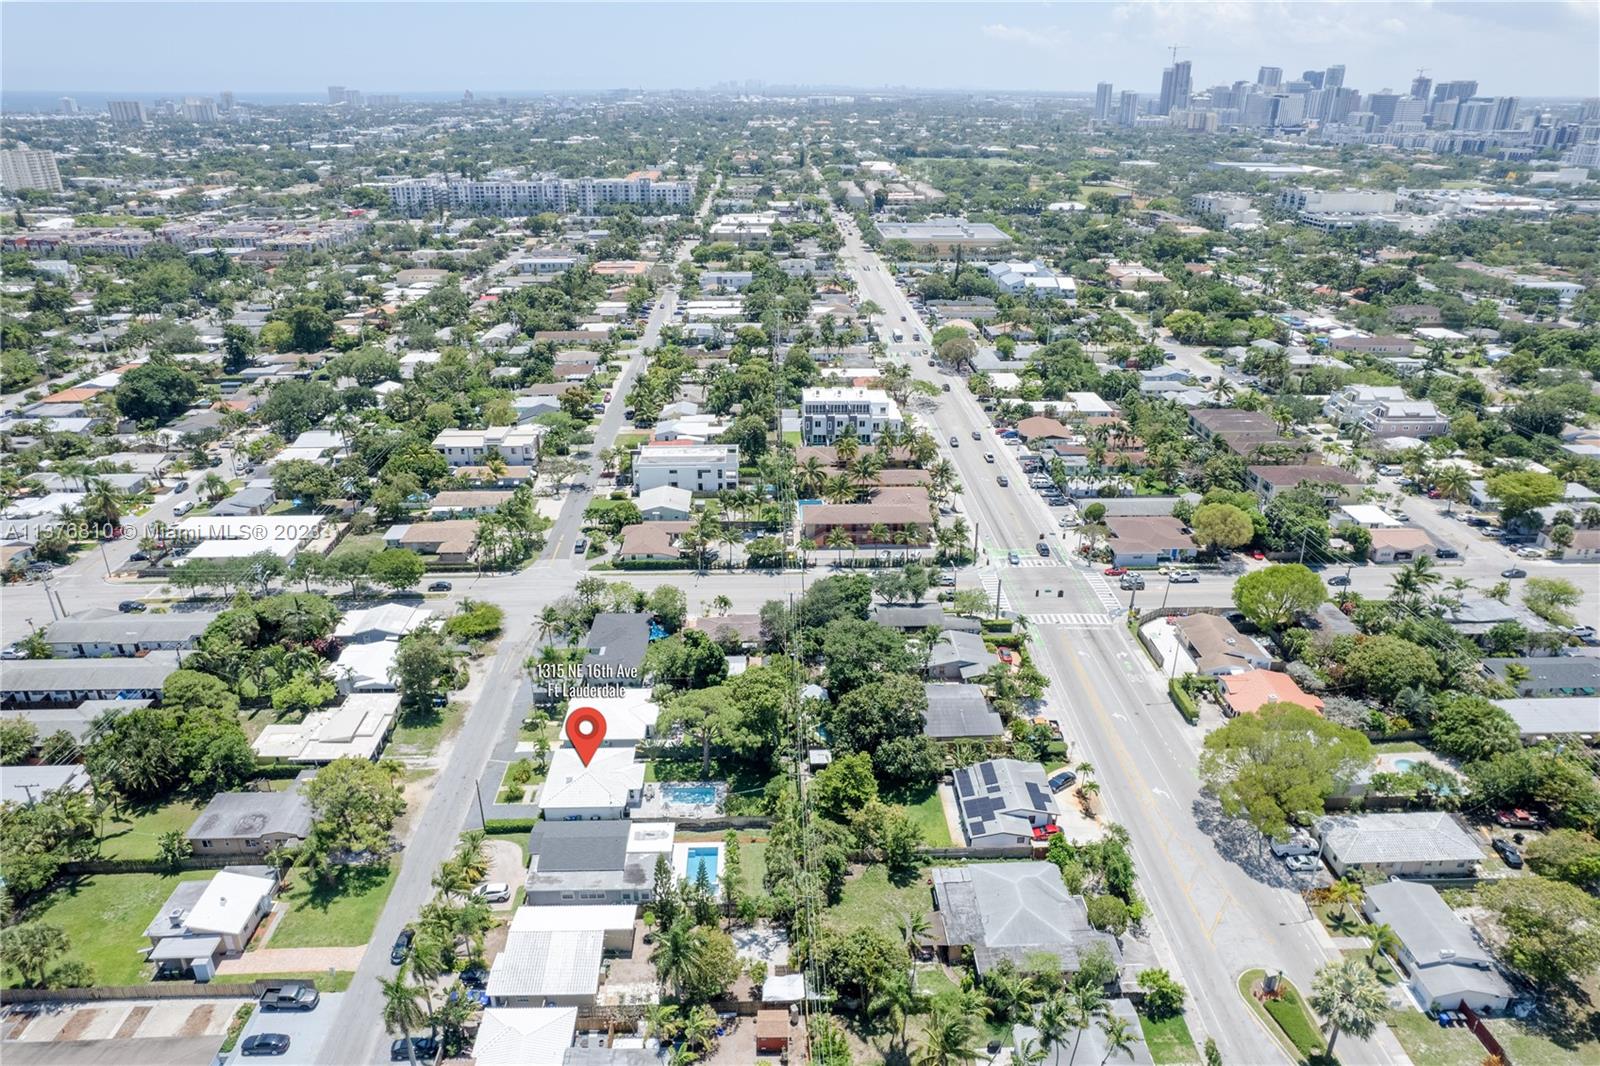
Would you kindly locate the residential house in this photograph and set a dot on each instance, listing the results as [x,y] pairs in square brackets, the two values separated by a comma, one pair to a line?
[826,412]
[99,632]
[1541,718]
[1407,844]
[1569,676]
[1402,346]
[1248,692]
[1003,803]
[609,785]
[615,648]
[960,656]
[526,1036]
[1353,403]
[1401,545]
[1584,546]
[701,468]
[32,682]
[1017,911]
[467,502]
[1217,647]
[1405,418]
[614,861]
[1088,1046]
[204,921]
[959,712]
[1336,485]
[902,512]
[1447,966]
[1149,540]
[666,503]
[26,785]
[1040,428]
[248,501]
[918,619]
[252,823]
[355,729]
[517,444]
[650,542]
[450,541]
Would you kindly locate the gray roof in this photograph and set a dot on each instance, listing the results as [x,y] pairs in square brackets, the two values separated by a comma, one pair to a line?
[250,815]
[1397,837]
[1449,959]
[1553,715]
[616,645]
[1014,910]
[1552,675]
[86,675]
[965,651]
[1139,506]
[930,614]
[956,710]
[1090,1047]
[75,720]
[569,846]
[1001,797]
[246,500]
[129,628]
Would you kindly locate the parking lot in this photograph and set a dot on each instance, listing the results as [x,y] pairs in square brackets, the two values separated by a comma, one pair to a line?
[306,1030]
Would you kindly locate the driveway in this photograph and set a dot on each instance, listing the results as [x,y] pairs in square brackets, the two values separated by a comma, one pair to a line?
[292,960]
[505,864]
[307,1031]
[172,1032]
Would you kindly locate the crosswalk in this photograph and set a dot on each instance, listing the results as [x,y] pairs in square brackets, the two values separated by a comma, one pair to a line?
[1073,621]
[1103,592]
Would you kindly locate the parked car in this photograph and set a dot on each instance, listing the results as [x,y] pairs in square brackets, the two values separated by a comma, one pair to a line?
[1477,523]
[1132,582]
[440,586]
[1061,781]
[265,1044]
[1516,817]
[183,508]
[579,545]
[402,946]
[1508,853]
[1300,864]
[493,891]
[131,607]
[180,488]
[425,1047]
[1514,571]
[291,995]
[1298,843]
[475,976]
[1258,554]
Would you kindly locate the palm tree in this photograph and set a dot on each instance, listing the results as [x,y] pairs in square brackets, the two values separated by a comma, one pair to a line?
[700,1028]
[679,954]
[1351,998]
[102,505]
[402,1009]
[1120,1036]
[879,534]
[1080,1007]
[838,540]
[472,855]
[812,476]
[213,487]
[1383,941]
[1029,1053]
[948,1038]
[898,1001]
[662,1021]
[840,489]
[845,446]
[1454,485]
[1345,894]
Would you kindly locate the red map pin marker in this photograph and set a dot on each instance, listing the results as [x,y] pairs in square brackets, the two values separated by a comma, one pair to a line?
[586,729]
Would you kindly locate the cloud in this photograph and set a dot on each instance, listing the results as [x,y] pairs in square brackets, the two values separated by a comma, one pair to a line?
[1049,38]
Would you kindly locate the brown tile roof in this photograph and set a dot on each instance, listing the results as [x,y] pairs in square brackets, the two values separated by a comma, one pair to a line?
[1297,474]
[1148,533]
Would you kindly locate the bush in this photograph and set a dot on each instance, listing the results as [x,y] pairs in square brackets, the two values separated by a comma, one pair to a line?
[1185,702]
[1163,996]
[506,826]
[1108,913]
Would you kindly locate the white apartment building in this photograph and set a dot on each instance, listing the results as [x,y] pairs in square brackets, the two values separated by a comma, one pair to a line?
[728,280]
[1232,210]
[1018,277]
[700,468]
[517,445]
[546,193]
[1351,404]
[29,168]
[127,112]
[825,412]
[1337,201]
[1406,418]
[543,265]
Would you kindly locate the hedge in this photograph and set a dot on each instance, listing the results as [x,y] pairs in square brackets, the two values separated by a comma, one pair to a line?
[1291,1018]
[997,625]
[653,564]
[1185,702]
[510,825]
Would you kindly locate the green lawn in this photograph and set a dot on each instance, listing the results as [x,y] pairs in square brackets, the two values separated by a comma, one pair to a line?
[1429,1045]
[1529,1047]
[926,810]
[871,901]
[105,916]
[420,731]
[937,984]
[133,834]
[1397,747]
[342,916]
[337,983]
[355,542]
[1169,1040]
[752,858]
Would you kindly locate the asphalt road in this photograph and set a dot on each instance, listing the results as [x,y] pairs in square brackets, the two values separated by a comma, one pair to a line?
[1220,904]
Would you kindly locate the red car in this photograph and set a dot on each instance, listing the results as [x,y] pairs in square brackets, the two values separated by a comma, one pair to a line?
[1518,818]
[1116,571]
[1045,832]
[1258,554]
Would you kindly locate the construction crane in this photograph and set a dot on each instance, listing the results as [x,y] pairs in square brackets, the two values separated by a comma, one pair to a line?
[1173,48]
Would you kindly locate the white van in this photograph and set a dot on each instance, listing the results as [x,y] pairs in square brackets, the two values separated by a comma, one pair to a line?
[183,508]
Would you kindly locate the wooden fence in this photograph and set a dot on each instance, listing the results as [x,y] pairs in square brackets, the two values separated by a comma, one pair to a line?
[1485,1037]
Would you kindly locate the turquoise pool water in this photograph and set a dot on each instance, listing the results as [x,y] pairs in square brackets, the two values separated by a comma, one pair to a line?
[701,859]
[698,795]
[1403,765]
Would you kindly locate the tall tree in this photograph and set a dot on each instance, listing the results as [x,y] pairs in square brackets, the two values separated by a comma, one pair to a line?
[1350,998]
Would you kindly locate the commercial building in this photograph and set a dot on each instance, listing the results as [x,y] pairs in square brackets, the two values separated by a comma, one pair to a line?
[1231,209]
[127,112]
[29,168]
[825,412]
[99,632]
[546,193]
[700,468]
[942,236]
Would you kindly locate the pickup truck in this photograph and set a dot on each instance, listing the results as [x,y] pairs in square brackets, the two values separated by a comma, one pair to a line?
[290,996]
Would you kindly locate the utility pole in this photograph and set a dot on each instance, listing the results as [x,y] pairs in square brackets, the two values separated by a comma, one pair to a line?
[997,596]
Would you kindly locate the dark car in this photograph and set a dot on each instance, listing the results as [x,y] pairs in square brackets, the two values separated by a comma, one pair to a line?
[1447,553]
[1339,579]
[1043,548]
[440,586]
[1508,852]
[265,1044]
[1478,523]
[130,607]
[402,946]
[426,1047]
[475,976]
[1515,571]
[580,545]
[1062,780]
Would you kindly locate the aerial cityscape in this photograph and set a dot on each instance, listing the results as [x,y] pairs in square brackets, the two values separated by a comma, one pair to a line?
[927,535]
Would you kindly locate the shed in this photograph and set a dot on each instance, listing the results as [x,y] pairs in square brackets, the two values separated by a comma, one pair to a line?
[772,1030]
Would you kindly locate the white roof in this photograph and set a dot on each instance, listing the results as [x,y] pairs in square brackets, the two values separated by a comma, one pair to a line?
[524,1036]
[628,717]
[366,666]
[228,903]
[842,394]
[651,836]
[240,549]
[356,728]
[562,962]
[390,619]
[665,496]
[261,530]
[605,783]
[1367,514]
[785,988]
[602,916]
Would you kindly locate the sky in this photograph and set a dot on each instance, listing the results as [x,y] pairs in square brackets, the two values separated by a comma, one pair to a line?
[1513,48]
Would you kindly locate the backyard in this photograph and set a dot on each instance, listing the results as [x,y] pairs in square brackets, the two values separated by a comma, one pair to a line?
[104,917]
[134,834]
[870,900]
[928,813]
[340,916]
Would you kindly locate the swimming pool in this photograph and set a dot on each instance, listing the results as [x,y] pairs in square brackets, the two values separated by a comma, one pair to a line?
[1402,765]
[702,859]
[690,795]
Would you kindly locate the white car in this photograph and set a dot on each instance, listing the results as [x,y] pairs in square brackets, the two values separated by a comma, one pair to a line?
[493,891]
[1183,577]
[1300,864]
